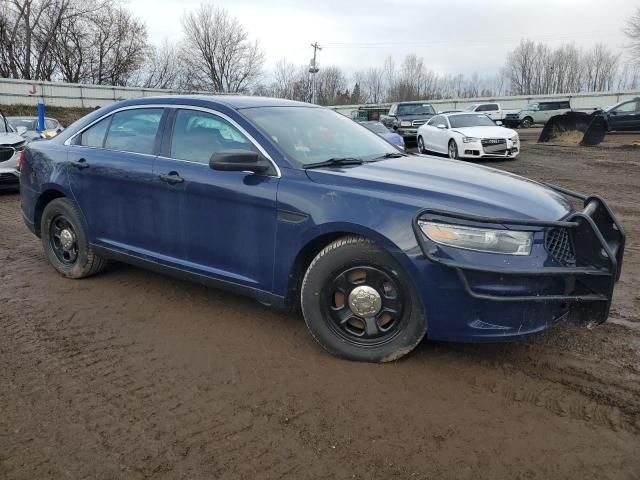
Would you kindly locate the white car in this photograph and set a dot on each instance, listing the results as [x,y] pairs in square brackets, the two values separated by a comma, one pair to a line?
[467,135]
[11,145]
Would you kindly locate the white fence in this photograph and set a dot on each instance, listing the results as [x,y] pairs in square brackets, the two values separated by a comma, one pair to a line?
[27,92]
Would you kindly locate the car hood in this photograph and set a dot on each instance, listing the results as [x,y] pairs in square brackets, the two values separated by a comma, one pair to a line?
[432,182]
[486,132]
[10,139]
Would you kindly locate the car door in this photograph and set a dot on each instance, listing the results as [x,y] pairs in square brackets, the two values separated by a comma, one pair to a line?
[440,134]
[624,116]
[110,174]
[219,223]
[490,110]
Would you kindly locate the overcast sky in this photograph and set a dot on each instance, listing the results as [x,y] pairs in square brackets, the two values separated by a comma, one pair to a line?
[453,36]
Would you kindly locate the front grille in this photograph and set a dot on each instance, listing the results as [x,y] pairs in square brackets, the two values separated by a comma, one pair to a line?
[6,153]
[494,145]
[559,245]
[416,123]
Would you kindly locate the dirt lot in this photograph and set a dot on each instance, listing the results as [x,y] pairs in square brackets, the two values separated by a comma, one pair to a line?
[134,375]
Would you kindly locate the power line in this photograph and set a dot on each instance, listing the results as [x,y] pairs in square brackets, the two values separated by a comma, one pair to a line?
[475,41]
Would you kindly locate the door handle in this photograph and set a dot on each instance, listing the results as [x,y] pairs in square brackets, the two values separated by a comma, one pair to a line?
[80,164]
[172,178]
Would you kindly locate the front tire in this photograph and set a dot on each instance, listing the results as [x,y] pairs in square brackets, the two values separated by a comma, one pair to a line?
[65,241]
[358,304]
[453,150]
[421,148]
[527,122]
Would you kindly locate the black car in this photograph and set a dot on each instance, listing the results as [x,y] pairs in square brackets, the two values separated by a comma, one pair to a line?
[623,116]
[405,118]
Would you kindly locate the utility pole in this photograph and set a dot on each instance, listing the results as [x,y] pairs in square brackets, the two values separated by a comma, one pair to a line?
[313,69]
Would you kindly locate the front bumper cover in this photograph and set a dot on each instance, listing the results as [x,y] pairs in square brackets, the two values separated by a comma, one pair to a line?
[598,239]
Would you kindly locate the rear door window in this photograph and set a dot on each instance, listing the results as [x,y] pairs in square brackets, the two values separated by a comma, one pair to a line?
[134,130]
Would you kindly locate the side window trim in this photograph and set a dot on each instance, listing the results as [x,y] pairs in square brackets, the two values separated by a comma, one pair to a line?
[71,141]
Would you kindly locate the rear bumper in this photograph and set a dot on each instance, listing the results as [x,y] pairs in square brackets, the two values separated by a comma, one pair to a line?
[510,298]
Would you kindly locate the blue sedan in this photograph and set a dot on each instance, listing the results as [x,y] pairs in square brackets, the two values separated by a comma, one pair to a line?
[296,205]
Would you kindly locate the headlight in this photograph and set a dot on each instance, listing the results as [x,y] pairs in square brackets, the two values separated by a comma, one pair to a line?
[405,123]
[470,139]
[506,242]
[514,139]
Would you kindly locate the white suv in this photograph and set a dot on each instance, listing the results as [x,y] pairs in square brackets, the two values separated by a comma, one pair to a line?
[539,112]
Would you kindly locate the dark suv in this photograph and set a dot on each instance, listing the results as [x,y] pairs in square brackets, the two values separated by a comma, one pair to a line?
[406,117]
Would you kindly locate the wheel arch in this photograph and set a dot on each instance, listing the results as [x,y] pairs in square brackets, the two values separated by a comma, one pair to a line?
[45,198]
[327,234]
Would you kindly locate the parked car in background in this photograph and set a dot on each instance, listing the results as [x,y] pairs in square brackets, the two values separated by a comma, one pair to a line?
[405,118]
[467,135]
[28,126]
[536,113]
[295,204]
[11,147]
[384,132]
[622,116]
[492,110]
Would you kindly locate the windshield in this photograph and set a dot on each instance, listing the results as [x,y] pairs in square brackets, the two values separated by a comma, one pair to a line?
[415,109]
[461,121]
[471,108]
[28,123]
[309,134]
[376,127]
[531,106]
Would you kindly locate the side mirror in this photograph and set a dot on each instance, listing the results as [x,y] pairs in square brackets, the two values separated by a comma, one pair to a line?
[239,161]
[441,126]
[498,123]
[21,130]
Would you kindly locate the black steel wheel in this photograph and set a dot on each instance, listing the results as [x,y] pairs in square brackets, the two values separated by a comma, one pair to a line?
[365,305]
[65,242]
[358,303]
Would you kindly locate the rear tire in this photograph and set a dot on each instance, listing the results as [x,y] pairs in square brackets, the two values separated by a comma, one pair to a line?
[358,303]
[65,241]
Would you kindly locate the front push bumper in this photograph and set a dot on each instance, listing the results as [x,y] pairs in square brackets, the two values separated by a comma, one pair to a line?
[509,298]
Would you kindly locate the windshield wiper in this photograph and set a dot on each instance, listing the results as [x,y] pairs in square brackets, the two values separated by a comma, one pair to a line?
[336,161]
[392,155]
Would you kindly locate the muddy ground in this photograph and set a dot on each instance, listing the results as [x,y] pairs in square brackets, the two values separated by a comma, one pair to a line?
[135,375]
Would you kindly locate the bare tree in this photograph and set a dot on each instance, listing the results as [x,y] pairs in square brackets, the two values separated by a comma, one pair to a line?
[27,31]
[600,68]
[119,47]
[632,31]
[285,76]
[218,53]
[330,81]
[162,67]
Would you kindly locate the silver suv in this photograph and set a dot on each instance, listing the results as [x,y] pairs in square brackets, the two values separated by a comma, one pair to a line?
[537,113]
